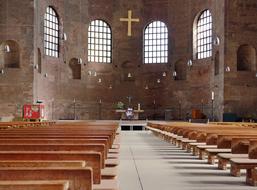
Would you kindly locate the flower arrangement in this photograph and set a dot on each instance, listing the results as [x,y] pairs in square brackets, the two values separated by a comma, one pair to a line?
[120,106]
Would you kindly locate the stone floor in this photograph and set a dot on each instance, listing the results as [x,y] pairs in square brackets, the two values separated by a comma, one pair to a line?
[148,163]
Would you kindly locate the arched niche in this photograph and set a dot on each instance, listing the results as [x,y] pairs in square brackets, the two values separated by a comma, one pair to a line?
[10,59]
[217,63]
[75,69]
[246,58]
[39,60]
[181,70]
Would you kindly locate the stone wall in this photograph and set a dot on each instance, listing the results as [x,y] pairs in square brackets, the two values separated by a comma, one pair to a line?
[86,98]
[16,81]
[240,94]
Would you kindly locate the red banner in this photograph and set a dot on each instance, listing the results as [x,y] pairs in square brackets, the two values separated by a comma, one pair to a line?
[33,111]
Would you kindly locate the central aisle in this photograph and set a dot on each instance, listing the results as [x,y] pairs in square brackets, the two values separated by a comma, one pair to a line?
[148,163]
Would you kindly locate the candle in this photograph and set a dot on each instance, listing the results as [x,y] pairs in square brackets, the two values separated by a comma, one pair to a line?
[139,106]
[212,95]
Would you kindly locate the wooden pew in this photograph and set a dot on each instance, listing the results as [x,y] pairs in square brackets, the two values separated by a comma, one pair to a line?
[99,148]
[35,185]
[249,164]
[41,163]
[77,177]
[61,135]
[239,149]
[224,145]
[92,159]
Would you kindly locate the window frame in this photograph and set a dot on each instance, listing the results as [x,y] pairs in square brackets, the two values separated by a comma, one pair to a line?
[156,41]
[204,35]
[51,33]
[100,40]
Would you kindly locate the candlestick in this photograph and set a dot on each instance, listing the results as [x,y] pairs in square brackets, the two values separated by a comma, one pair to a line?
[212,95]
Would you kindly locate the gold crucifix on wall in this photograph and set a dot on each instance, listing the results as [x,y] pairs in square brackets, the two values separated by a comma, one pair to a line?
[129,20]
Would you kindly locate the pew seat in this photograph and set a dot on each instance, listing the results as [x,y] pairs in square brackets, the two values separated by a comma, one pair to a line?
[224,159]
[107,185]
[34,185]
[213,152]
[112,162]
[41,163]
[77,177]
[241,163]
[109,173]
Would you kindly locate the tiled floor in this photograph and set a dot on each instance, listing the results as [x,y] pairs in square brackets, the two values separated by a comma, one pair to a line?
[148,163]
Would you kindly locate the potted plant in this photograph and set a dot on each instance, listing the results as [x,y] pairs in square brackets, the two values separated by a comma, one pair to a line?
[120,106]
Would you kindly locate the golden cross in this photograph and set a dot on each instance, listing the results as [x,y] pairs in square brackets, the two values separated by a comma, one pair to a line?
[129,20]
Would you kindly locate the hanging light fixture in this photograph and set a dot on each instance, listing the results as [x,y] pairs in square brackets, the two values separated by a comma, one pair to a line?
[110,87]
[95,74]
[158,80]
[216,41]
[99,80]
[80,61]
[64,37]
[36,66]
[129,75]
[174,74]
[190,63]
[164,74]
[46,75]
[7,49]
[146,87]
[228,69]
[256,75]
[90,73]
[2,71]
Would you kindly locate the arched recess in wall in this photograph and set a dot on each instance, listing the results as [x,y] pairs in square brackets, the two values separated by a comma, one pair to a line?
[181,70]
[10,59]
[75,69]
[39,60]
[246,58]
[217,63]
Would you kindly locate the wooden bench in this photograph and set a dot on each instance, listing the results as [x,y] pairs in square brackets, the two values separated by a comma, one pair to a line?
[93,159]
[239,149]
[78,177]
[63,143]
[249,164]
[35,185]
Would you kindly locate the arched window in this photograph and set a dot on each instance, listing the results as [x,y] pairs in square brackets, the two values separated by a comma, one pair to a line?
[156,43]
[51,33]
[99,42]
[204,35]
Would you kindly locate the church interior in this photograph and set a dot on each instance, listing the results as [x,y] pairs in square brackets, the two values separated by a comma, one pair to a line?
[121,95]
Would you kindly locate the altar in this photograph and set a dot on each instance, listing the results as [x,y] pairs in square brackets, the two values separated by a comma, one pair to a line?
[123,114]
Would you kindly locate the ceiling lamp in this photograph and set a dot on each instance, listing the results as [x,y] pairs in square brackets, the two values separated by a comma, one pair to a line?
[228,69]
[146,87]
[190,63]
[158,80]
[7,49]
[80,61]
[164,74]
[216,41]
[64,37]
[129,75]
[99,80]
[174,74]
